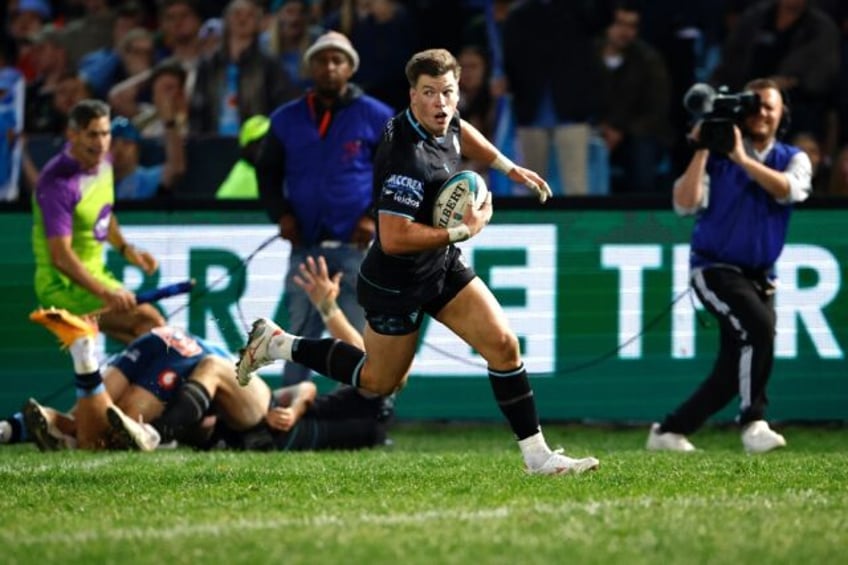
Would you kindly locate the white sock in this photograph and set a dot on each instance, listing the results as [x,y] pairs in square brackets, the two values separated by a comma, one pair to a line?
[535,450]
[83,354]
[280,346]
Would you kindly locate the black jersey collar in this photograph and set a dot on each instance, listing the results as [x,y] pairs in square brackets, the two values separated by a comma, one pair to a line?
[416,125]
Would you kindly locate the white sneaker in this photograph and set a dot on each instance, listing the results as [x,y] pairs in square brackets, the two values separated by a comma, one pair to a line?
[558,463]
[255,352]
[667,441]
[137,435]
[758,437]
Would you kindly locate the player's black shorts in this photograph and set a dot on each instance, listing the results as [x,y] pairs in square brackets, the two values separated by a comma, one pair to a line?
[390,313]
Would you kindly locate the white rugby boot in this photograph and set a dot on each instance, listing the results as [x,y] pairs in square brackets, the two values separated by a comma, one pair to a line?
[137,435]
[758,437]
[558,463]
[44,434]
[259,351]
[667,441]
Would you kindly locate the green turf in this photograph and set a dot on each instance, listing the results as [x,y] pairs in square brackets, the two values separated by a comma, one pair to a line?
[442,494]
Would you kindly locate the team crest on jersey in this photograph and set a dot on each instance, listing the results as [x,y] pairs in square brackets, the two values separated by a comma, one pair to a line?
[101,225]
[168,379]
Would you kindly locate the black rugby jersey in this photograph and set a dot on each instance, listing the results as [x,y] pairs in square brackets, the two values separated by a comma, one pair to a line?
[410,166]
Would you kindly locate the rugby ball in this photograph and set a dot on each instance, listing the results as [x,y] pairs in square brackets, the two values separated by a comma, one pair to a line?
[454,195]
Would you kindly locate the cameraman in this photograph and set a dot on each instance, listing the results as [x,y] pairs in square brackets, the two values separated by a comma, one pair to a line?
[743,202]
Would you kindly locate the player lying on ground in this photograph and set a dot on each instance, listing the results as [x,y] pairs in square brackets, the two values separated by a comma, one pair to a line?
[173,378]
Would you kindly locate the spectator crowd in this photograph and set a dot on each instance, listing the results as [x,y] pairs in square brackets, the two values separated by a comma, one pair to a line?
[588,93]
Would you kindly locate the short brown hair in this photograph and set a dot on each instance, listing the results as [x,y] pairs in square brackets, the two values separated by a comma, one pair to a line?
[432,62]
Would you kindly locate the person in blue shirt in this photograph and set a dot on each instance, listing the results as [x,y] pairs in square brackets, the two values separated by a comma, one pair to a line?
[742,202]
[134,181]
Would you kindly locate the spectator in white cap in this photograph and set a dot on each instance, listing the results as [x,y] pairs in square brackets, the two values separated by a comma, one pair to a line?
[315,180]
[334,40]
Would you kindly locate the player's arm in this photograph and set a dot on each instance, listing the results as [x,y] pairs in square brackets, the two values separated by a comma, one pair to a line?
[476,147]
[323,290]
[131,253]
[400,235]
[294,401]
[399,204]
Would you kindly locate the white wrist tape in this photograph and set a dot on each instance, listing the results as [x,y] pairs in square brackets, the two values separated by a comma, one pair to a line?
[459,233]
[502,164]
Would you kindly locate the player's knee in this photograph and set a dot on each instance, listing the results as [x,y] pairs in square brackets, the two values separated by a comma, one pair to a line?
[213,370]
[502,350]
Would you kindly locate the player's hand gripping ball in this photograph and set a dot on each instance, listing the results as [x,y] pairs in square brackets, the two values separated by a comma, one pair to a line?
[454,195]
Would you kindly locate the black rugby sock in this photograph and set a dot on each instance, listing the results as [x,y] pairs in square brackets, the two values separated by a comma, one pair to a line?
[332,358]
[515,399]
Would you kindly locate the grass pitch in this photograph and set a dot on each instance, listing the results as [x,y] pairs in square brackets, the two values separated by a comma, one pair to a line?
[442,494]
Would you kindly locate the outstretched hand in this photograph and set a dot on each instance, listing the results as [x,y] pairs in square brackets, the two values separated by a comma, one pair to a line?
[533,181]
[315,280]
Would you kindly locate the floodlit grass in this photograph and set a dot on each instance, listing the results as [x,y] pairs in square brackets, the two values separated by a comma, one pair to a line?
[442,494]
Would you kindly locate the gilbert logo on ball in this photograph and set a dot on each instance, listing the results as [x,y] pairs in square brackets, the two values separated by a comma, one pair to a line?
[454,195]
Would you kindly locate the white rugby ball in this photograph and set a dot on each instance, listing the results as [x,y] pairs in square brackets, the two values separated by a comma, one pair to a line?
[454,195]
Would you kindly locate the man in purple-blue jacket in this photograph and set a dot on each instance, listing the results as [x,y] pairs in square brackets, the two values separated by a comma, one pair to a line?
[315,173]
[743,201]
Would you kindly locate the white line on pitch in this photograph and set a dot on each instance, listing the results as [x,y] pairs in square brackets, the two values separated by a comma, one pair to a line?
[230,527]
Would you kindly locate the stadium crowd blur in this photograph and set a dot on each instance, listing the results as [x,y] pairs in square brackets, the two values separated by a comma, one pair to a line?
[588,92]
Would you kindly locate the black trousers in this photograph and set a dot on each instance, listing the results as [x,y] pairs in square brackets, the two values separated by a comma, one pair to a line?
[743,305]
